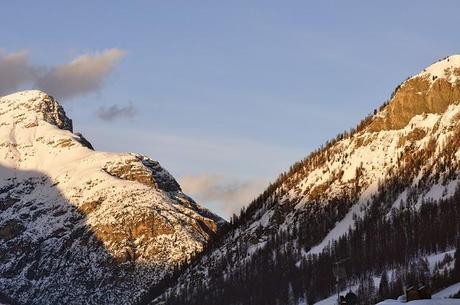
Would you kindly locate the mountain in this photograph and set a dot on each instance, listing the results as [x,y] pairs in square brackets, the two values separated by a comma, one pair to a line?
[383,198]
[79,226]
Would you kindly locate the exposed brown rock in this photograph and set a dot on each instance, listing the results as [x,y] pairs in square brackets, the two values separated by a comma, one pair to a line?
[89,206]
[416,96]
[145,171]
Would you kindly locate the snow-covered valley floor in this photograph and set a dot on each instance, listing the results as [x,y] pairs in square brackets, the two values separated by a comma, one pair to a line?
[424,302]
[439,298]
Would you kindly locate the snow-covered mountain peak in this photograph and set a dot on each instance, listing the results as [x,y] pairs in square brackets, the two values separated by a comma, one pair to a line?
[447,68]
[29,107]
[85,224]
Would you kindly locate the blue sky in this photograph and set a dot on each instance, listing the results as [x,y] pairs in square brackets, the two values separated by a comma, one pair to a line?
[227,94]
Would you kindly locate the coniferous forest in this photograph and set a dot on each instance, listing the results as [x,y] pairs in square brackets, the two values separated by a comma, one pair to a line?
[390,245]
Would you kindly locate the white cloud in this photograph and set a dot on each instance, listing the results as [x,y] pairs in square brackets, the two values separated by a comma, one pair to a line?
[85,74]
[81,76]
[221,193]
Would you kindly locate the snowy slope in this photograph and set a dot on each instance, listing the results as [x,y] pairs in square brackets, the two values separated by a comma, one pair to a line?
[78,224]
[436,123]
[376,153]
[440,298]
[444,68]
[414,135]
[423,302]
[448,292]
[432,261]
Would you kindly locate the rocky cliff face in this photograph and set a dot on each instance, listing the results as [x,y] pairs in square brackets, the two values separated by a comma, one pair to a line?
[78,226]
[431,91]
[405,154]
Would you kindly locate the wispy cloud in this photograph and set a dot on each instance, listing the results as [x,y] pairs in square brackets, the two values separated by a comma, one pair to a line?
[116,112]
[221,193]
[84,74]
[81,76]
[15,69]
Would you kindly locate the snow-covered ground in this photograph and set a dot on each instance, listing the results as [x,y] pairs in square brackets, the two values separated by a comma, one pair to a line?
[432,259]
[332,300]
[424,302]
[438,69]
[448,292]
[440,298]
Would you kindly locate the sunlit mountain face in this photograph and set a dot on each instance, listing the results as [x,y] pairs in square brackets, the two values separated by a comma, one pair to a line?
[79,226]
[380,202]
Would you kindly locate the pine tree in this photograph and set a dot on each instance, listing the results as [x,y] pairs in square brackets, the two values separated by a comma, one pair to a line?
[397,287]
[424,273]
[372,289]
[291,297]
[456,272]
[366,290]
[384,287]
